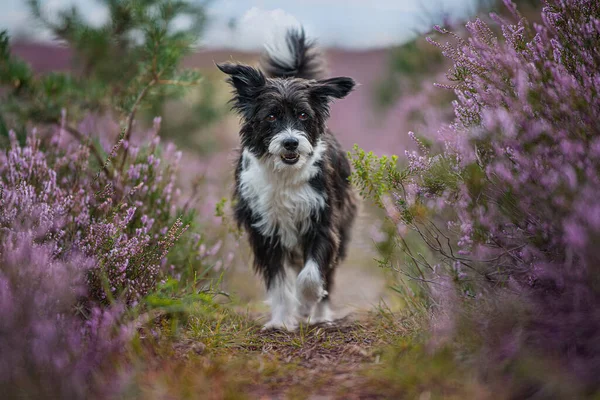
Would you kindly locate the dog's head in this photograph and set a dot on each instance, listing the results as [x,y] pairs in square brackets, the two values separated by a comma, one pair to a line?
[283,118]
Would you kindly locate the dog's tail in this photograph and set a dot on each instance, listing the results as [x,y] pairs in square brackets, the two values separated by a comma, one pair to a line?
[297,57]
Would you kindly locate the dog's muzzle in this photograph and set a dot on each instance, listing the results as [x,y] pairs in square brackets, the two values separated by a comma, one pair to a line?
[290,155]
[289,146]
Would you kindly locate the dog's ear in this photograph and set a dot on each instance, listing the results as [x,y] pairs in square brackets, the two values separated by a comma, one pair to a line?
[333,87]
[246,81]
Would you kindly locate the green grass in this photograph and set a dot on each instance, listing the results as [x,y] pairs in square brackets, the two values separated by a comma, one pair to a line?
[211,350]
[206,344]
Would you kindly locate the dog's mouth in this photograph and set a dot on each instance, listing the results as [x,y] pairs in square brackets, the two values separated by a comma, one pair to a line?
[290,158]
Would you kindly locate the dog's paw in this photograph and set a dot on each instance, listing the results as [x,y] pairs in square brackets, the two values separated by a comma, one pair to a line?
[309,284]
[322,314]
[305,310]
[289,325]
[310,307]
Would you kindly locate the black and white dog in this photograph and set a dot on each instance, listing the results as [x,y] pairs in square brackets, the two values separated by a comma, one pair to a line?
[292,191]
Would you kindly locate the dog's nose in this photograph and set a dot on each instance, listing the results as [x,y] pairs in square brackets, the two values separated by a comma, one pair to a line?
[290,144]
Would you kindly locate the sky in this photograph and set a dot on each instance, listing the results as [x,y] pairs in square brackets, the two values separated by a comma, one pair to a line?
[354,24]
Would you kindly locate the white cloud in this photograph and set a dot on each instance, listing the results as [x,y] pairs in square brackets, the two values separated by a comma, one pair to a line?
[345,23]
[255,28]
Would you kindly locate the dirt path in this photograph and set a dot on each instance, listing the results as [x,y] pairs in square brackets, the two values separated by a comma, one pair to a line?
[327,362]
[318,362]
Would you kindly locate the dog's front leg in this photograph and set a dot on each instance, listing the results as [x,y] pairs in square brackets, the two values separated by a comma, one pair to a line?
[319,251]
[282,297]
[269,260]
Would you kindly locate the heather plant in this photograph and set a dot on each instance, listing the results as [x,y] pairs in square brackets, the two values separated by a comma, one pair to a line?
[92,216]
[112,196]
[127,222]
[506,198]
[98,236]
[50,348]
[79,243]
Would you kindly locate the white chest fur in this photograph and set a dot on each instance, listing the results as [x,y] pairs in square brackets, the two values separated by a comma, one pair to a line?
[281,199]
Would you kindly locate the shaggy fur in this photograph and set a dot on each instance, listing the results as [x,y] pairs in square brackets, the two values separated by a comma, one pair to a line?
[292,192]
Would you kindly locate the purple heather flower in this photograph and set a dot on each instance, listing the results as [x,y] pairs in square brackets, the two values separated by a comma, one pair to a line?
[524,149]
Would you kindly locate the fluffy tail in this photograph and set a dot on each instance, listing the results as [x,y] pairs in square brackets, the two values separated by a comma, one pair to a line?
[297,57]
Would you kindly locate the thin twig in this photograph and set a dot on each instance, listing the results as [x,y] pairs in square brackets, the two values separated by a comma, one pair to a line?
[415,261]
[83,139]
[178,83]
[112,154]
[131,117]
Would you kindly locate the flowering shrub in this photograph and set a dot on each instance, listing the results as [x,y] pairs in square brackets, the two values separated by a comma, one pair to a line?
[47,350]
[511,203]
[77,245]
[90,223]
[126,229]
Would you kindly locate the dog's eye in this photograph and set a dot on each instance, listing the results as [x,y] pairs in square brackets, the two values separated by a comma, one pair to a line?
[303,116]
[271,118]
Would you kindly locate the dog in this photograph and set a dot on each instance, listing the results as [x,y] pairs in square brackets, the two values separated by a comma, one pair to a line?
[292,191]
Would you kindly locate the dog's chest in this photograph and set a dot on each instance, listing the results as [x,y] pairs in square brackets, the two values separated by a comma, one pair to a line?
[282,203]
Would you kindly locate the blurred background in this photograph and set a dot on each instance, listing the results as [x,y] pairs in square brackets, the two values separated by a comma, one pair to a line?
[377,43]
[381,44]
